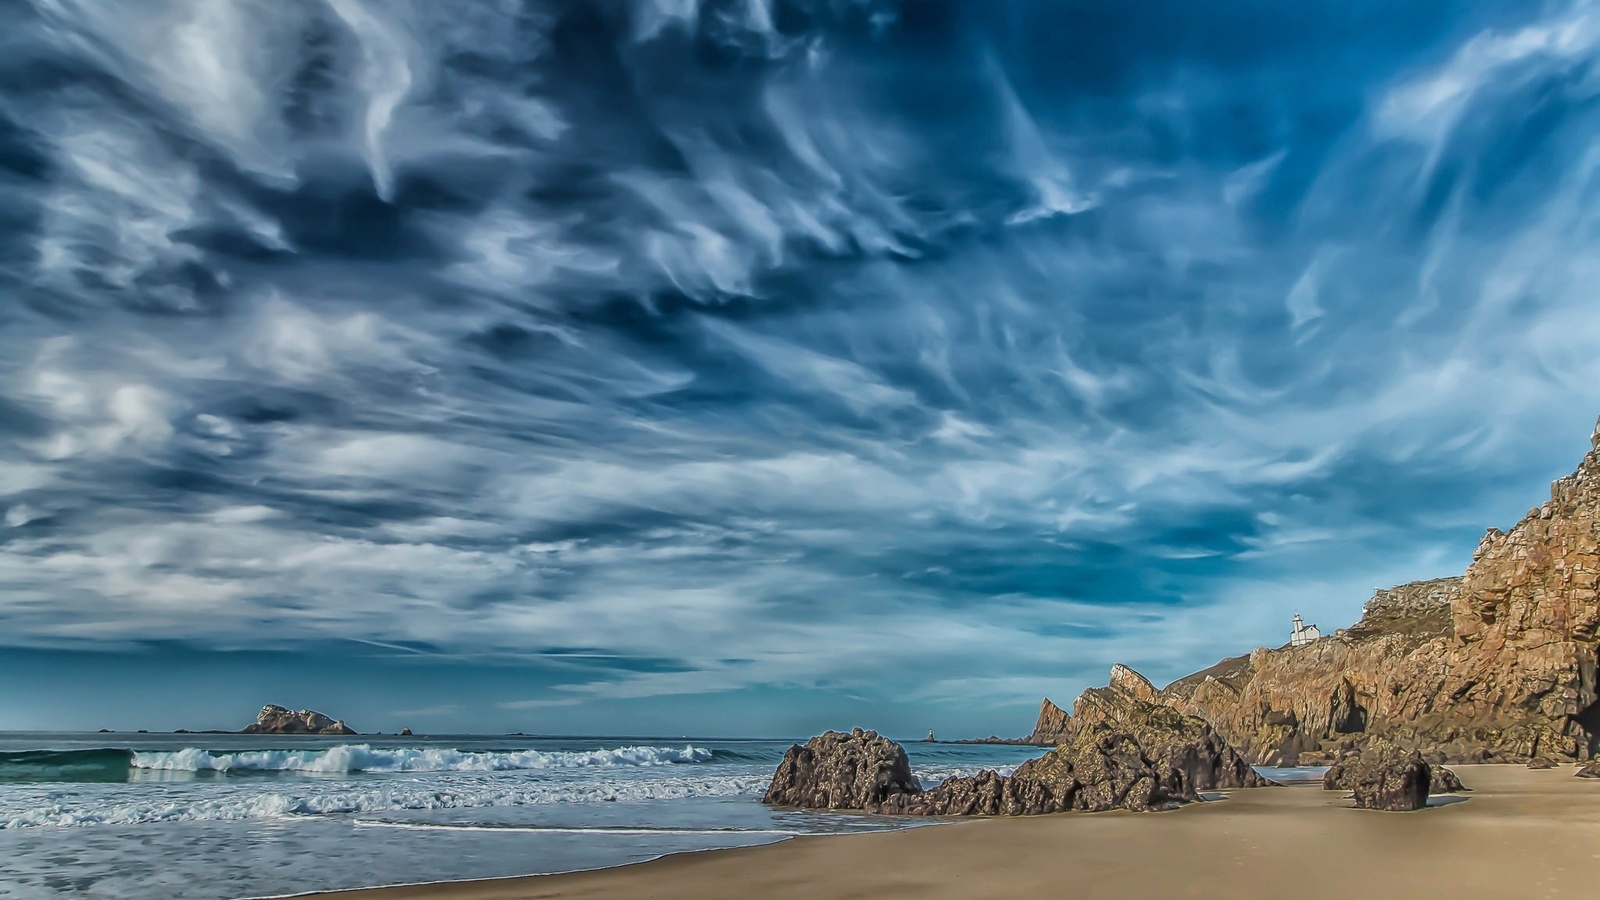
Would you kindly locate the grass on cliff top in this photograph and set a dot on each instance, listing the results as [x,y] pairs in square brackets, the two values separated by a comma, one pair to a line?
[1231,670]
[1421,625]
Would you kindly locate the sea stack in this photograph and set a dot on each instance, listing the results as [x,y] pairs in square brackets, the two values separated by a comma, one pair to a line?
[275,719]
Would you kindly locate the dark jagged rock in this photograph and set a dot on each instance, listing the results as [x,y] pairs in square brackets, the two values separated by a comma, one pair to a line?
[1119,751]
[1445,781]
[859,770]
[1382,776]
[1590,769]
[1189,753]
[1099,771]
[405,732]
[991,739]
[279,720]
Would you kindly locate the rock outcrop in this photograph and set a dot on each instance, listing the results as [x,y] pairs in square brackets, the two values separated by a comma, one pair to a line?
[1189,752]
[835,770]
[1445,781]
[1099,771]
[1590,769]
[1339,775]
[1119,750]
[1382,776]
[1051,726]
[1127,682]
[278,720]
[1498,665]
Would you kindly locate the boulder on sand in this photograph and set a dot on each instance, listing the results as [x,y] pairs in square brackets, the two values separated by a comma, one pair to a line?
[859,770]
[1445,781]
[1382,776]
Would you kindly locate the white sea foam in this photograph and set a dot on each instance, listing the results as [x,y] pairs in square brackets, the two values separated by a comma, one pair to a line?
[260,801]
[932,776]
[550,829]
[364,758]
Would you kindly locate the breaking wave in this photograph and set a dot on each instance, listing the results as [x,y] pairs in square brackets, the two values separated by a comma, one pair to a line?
[348,758]
[310,800]
[105,764]
[116,765]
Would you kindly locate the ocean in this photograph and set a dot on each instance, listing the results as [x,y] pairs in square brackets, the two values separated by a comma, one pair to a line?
[241,816]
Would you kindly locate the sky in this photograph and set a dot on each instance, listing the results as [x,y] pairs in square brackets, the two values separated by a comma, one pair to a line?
[754,367]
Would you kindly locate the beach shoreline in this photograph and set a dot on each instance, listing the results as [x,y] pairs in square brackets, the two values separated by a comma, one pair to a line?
[1519,833]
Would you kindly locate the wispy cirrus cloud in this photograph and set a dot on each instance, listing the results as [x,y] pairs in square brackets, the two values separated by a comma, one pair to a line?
[906,352]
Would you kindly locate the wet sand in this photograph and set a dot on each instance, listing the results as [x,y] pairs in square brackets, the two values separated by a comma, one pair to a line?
[1519,834]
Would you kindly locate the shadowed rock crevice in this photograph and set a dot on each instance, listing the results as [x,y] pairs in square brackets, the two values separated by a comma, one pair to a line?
[1346,714]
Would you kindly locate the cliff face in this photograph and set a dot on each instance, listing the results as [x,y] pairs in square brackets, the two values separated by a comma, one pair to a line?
[1528,612]
[1499,664]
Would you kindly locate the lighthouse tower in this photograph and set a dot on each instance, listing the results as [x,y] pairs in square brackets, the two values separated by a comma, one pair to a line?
[1301,633]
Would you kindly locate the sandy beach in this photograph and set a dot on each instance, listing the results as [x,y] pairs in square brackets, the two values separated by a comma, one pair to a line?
[1518,834]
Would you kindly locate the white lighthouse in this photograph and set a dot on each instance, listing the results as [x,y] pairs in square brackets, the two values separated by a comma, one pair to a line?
[1302,634]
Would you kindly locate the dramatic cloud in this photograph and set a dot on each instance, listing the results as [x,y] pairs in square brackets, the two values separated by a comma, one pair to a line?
[933,352]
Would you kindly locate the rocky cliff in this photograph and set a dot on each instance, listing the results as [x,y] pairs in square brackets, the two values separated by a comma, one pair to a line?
[277,720]
[1497,665]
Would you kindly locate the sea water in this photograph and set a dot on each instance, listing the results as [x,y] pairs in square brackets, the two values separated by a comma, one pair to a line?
[236,816]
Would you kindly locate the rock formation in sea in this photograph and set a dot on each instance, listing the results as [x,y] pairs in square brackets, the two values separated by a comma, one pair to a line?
[1127,753]
[278,720]
[1498,665]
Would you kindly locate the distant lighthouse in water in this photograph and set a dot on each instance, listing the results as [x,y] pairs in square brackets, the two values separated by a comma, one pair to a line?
[1301,633]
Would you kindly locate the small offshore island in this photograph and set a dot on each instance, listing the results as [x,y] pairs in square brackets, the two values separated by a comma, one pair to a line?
[1492,672]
